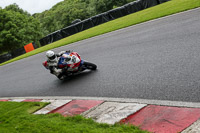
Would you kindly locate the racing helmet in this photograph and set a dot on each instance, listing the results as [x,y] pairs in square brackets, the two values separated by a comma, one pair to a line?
[50,55]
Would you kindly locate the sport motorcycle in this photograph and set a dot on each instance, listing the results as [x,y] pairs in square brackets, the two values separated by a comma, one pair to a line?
[72,64]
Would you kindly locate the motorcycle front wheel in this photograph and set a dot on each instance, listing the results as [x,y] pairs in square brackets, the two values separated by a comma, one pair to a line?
[90,66]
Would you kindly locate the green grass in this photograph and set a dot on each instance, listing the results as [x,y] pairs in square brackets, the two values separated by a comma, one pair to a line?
[168,8]
[15,118]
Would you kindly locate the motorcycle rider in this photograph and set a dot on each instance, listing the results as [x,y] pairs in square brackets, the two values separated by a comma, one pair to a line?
[52,63]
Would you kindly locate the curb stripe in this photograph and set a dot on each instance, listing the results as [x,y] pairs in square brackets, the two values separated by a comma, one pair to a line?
[112,112]
[164,118]
[76,107]
[54,104]
[194,128]
[4,100]
[17,100]
[32,100]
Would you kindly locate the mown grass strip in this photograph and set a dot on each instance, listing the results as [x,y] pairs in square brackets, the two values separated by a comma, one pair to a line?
[15,118]
[165,9]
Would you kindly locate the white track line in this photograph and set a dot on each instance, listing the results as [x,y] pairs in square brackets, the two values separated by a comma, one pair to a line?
[125,100]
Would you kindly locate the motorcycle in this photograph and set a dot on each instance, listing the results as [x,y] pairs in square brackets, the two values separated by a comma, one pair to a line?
[72,64]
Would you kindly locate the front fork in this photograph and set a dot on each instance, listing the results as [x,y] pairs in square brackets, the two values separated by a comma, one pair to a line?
[82,66]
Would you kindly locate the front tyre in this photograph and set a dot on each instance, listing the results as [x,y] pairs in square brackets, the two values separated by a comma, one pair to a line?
[90,66]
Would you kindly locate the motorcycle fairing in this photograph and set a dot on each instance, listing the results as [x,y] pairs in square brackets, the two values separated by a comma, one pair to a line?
[73,64]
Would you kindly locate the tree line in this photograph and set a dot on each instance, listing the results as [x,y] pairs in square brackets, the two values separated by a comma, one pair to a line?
[18,27]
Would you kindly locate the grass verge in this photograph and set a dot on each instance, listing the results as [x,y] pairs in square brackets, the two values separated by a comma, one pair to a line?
[168,8]
[15,118]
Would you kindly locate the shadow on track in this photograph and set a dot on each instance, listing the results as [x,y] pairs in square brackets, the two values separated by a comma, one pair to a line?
[75,79]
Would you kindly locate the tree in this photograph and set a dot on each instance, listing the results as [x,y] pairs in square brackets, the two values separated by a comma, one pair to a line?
[14,7]
[62,14]
[17,28]
[106,5]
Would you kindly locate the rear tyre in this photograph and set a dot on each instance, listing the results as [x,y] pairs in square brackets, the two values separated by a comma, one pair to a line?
[90,66]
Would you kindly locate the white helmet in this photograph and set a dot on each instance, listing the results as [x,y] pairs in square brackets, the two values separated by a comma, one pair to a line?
[50,55]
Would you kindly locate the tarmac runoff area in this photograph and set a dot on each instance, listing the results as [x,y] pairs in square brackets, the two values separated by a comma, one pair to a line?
[151,115]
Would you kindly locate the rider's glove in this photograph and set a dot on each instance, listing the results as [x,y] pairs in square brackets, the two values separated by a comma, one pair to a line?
[68,51]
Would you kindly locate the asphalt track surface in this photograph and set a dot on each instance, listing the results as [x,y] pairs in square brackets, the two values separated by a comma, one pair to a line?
[157,60]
